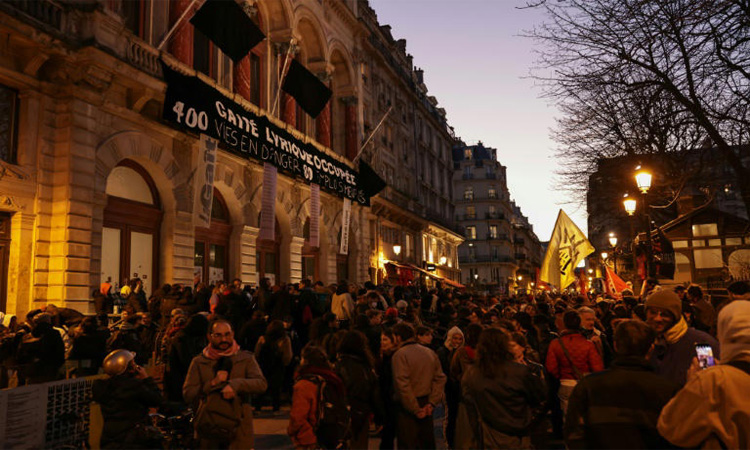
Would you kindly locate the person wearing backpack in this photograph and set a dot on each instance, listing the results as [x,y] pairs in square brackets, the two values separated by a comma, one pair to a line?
[274,352]
[320,415]
[711,410]
[218,386]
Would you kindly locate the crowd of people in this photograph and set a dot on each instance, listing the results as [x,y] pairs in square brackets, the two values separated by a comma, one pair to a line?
[669,368]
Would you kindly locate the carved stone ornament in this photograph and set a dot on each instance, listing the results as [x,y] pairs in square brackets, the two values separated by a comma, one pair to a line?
[11,171]
[8,202]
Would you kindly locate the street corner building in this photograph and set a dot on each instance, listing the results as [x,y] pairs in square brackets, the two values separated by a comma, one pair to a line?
[132,146]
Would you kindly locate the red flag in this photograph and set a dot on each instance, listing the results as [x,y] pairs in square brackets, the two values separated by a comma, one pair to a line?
[582,283]
[615,284]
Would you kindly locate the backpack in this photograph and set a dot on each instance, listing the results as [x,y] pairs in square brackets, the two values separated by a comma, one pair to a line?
[332,429]
[218,419]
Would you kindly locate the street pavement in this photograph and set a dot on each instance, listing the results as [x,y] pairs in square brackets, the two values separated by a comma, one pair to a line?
[270,431]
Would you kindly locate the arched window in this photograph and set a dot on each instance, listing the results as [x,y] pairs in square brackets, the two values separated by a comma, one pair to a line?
[211,260]
[130,235]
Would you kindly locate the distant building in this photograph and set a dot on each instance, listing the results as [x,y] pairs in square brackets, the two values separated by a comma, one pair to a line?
[500,243]
[693,199]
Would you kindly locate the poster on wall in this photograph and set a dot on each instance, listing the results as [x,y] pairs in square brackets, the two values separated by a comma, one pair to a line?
[314,215]
[215,274]
[204,181]
[346,217]
[268,201]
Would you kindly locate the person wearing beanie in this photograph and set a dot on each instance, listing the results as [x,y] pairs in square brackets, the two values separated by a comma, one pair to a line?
[675,343]
[712,410]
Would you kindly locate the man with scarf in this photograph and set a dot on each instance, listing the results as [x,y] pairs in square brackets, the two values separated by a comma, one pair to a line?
[223,363]
[674,349]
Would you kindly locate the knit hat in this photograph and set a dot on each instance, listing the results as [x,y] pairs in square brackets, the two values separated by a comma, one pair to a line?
[391,312]
[666,299]
[733,330]
[402,304]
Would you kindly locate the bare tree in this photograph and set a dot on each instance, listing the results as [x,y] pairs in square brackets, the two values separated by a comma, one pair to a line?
[646,76]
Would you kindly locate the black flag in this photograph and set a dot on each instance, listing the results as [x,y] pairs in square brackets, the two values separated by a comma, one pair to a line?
[369,180]
[311,93]
[227,25]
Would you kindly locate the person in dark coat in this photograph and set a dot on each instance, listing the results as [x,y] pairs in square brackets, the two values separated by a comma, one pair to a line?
[252,330]
[619,407]
[355,365]
[273,351]
[127,338]
[125,398]
[89,348]
[499,395]
[188,343]
[41,352]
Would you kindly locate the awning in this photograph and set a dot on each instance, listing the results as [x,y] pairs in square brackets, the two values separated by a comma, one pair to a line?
[450,282]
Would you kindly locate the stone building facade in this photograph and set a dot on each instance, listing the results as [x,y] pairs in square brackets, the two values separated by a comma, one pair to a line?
[500,243]
[96,186]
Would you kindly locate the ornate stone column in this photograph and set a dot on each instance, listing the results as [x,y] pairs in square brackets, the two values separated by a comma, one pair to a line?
[181,42]
[350,115]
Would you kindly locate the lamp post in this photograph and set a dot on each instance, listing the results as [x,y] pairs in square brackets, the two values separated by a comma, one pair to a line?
[643,180]
[613,244]
[397,249]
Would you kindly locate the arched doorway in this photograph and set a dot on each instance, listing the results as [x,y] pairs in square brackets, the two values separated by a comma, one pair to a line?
[130,235]
[682,272]
[268,257]
[212,245]
[310,256]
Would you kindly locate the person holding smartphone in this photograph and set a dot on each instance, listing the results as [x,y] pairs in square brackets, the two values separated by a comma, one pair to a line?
[674,349]
[713,409]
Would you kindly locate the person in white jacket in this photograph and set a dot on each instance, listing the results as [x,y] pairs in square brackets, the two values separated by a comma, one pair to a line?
[713,409]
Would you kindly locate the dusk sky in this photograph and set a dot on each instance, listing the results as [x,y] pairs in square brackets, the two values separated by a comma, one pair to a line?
[475,63]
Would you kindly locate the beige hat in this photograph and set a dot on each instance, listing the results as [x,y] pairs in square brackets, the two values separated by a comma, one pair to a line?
[666,299]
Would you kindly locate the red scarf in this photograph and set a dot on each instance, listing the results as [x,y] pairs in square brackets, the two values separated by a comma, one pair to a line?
[213,354]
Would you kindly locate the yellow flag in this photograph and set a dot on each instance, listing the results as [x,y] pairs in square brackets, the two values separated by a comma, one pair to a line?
[567,247]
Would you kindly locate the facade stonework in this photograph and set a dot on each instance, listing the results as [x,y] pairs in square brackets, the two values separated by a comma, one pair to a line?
[87,83]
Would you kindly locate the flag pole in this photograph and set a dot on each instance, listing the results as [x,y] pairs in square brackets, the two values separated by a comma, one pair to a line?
[369,138]
[282,76]
[176,24]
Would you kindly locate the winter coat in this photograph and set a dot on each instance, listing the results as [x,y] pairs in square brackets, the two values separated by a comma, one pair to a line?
[125,402]
[303,415]
[417,373]
[273,361]
[41,354]
[90,350]
[245,378]
[619,407]
[362,389]
[711,411]
[462,359]
[184,348]
[673,360]
[582,353]
[505,402]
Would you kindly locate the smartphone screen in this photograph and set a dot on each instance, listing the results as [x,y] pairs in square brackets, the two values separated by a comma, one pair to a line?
[705,355]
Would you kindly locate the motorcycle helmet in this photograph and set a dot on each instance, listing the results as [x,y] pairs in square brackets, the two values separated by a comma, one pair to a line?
[116,363]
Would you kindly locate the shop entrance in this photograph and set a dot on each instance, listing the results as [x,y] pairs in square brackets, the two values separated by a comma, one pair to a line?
[212,245]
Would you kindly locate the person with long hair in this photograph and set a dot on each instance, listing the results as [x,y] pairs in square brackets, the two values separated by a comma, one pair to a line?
[356,367]
[499,396]
[274,352]
[388,347]
[453,341]
[303,417]
[342,305]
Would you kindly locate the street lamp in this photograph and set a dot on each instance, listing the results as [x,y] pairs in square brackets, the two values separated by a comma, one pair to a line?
[443,260]
[520,278]
[612,240]
[397,249]
[630,204]
[643,179]
[604,255]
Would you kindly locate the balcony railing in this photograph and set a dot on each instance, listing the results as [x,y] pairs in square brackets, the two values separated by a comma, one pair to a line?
[495,216]
[485,258]
[519,241]
[491,176]
[468,176]
[498,237]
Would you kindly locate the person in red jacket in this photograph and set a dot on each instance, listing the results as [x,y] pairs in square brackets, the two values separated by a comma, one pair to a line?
[571,356]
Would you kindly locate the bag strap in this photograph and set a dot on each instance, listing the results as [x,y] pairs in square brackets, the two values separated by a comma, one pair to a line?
[576,372]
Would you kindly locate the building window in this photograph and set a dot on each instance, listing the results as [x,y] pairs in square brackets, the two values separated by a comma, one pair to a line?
[680,244]
[733,241]
[8,124]
[708,258]
[493,231]
[467,154]
[491,192]
[471,212]
[468,174]
[255,73]
[469,193]
[490,172]
[705,229]
[471,232]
